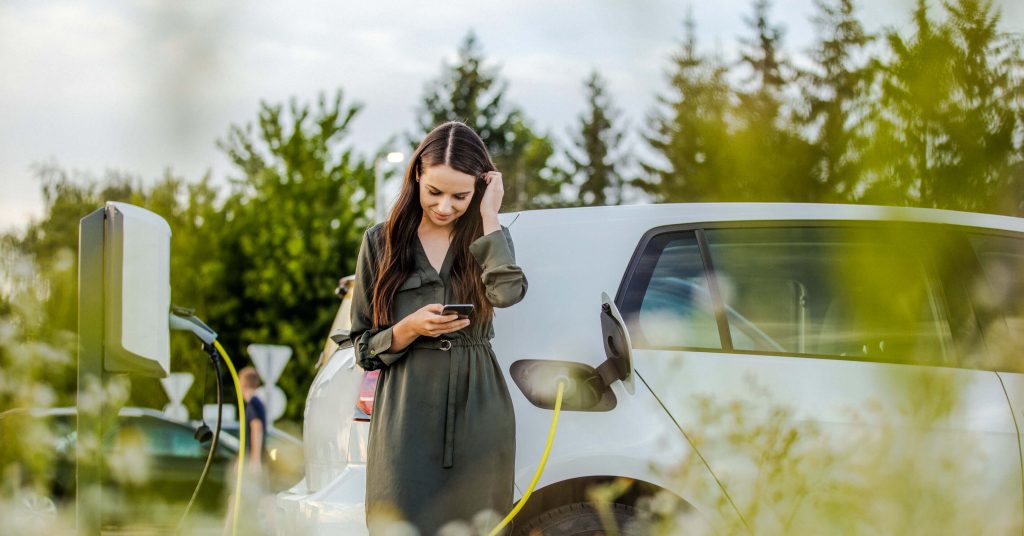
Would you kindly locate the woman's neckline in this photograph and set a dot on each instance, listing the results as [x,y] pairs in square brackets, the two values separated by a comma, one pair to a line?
[444,261]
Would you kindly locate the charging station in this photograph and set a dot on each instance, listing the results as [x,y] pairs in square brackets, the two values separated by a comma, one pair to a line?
[124,299]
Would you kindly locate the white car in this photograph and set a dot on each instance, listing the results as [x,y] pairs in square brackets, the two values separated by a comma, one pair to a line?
[764,367]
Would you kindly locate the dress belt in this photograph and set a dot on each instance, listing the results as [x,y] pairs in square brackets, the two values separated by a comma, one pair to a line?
[445,345]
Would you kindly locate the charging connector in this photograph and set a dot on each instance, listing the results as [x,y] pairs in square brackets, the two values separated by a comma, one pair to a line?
[569,390]
[182,319]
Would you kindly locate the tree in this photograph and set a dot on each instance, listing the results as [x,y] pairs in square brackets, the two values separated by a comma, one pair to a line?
[39,292]
[259,264]
[470,92]
[51,245]
[294,222]
[987,126]
[599,159]
[51,242]
[836,94]
[773,161]
[689,129]
[948,125]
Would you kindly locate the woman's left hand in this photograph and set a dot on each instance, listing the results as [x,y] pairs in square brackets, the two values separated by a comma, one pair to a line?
[490,204]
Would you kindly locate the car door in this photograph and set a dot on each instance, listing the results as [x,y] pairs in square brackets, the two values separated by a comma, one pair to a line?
[814,366]
[995,283]
[176,460]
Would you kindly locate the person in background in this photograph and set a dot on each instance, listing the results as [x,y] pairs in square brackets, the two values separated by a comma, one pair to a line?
[255,420]
[256,502]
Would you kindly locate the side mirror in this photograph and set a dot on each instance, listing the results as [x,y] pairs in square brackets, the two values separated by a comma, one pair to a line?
[339,338]
[617,346]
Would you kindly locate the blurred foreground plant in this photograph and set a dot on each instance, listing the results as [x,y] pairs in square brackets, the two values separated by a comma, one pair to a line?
[28,364]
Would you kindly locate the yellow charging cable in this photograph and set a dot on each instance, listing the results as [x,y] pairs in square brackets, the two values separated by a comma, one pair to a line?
[540,468]
[241,436]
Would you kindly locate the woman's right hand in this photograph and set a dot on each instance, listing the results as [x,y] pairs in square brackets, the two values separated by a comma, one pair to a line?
[429,322]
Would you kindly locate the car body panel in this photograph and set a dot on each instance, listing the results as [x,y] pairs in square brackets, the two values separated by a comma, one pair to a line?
[559,320]
[335,441]
[844,418]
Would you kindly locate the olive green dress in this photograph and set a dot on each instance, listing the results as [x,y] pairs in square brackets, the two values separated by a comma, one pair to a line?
[442,434]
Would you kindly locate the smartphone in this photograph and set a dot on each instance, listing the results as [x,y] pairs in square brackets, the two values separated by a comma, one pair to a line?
[461,309]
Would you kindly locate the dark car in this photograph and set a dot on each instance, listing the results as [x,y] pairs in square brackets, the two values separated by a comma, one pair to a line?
[151,465]
[285,464]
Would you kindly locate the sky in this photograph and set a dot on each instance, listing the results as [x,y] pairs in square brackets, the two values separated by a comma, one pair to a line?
[148,86]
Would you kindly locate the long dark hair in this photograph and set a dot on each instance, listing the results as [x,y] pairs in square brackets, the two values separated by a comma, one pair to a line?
[456,145]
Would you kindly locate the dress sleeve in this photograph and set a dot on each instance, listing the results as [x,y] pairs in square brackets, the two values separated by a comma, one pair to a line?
[370,344]
[506,284]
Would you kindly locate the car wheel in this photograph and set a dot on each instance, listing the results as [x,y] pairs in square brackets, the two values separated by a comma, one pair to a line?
[583,519]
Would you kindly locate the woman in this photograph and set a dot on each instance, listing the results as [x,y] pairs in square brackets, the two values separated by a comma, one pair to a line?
[442,435]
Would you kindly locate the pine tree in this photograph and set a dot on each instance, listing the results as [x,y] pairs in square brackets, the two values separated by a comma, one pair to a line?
[762,54]
[916,88]
[948,125]
[773,161]
[688,128]
[471,92]
[836,93]
[597,164]
[987,125]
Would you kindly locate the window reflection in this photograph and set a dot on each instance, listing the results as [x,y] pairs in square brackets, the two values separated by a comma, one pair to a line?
[832,291]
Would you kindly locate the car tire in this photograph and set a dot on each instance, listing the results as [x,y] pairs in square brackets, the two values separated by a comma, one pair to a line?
[582,519]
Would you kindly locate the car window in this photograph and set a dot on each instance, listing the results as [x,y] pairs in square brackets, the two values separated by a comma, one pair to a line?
[165,438]
[670,306]
[999,295]
[836,291]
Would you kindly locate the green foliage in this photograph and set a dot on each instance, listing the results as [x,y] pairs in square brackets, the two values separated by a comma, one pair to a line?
[932,119]
[293,224]
[773,162]
[948,125]
[258,263]
[835,92]
[597,164]
[52,242]
[689,128]
[35,361]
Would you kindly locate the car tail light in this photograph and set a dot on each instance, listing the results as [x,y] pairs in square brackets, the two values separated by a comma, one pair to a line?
[366,390]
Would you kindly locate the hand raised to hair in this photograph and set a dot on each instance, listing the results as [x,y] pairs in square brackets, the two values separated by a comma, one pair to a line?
[490,204]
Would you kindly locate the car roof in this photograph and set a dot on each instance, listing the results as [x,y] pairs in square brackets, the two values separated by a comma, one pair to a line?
[232,427]
[69,411]
[572,255]
[740,211]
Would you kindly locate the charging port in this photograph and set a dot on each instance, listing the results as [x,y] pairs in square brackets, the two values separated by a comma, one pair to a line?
[538,380]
